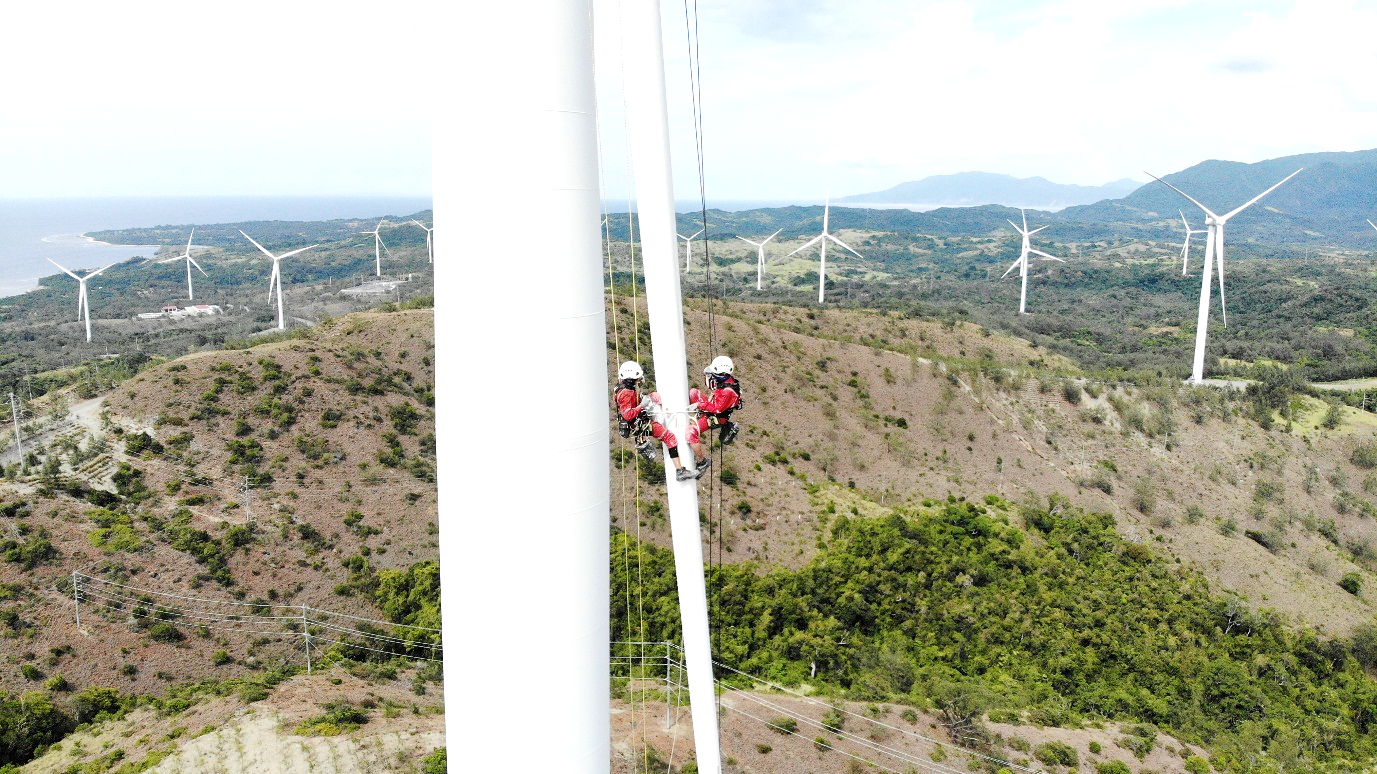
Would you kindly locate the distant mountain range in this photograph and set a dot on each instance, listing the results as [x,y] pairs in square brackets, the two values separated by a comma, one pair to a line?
[1326,204]
[970,189]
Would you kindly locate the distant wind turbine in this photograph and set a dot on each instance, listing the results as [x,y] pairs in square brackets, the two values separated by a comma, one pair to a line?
[760,255]
[1370,223]
[688,247]
[378,246]
[1022,263]
[1214,250]
[189,263]
[1186,247]
[823,237]
[83,301]
[277,277]
[430,248]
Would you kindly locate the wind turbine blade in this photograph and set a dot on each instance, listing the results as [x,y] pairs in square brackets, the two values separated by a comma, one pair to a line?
[848,247]
[1025,219]
[294,252]
[260,247]
[1185,222]
[749,242]
[188,241]
[810,243]
[98,271]
[1036,230]
[169,260]
[60,266]
[1178,190]
[1370,223]
[1015,265]
[197,265]
[1015,225]
[1045,255]
[772,236]
[1185,253]
[1259,196]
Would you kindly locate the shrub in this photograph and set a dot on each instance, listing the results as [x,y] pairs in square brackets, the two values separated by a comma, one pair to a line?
[165,632]
[1197,765]
[1364,454]
[1094,747]
[220,658]
[404,418]
[834,720]
[1112,767]
[1352,582]
[1144,495]
[30,672]
[340,717]
[1056,754]
[436,762]
[1072,392]
[784,726]
[821,743]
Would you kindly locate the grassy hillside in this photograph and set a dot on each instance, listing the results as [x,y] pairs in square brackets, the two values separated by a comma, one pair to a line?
[208,504]
[859,417]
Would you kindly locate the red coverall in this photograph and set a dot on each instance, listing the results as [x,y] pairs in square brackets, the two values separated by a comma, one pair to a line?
[718,403]
[629,406]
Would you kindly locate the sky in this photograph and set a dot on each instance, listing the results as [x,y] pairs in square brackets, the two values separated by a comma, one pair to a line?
[216,99]
[806,97]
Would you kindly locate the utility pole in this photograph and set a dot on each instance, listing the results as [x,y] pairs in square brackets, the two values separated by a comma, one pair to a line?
[306,633]
[247,490]
[14,411]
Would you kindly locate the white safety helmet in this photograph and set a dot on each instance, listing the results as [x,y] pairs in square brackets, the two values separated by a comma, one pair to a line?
[720,366]
[630,370]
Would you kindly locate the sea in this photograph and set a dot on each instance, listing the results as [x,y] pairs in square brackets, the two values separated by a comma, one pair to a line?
[32,230]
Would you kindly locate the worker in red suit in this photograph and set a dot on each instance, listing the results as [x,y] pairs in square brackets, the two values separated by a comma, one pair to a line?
[636,420]
[716,406]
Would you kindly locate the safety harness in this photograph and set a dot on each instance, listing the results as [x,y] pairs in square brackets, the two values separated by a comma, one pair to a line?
[637,429]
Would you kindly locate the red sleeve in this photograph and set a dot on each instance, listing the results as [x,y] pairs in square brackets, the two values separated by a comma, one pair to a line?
[720,400]
[627,405]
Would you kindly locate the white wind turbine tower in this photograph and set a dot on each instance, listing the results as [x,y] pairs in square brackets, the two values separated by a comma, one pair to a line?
[378,246]
[186,256]
[430,247]
[760,255]
[277,277]
[823,237]
[1186,246]
[83,301]
[1022,263]
[1214,250]
[688,247]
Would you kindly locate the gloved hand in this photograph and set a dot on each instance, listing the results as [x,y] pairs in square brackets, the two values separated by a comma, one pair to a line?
[646,403]
[693,407]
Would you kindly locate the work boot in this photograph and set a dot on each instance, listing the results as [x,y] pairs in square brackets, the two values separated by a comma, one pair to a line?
[684,474]
[703,466]
[729,434]
[647,450]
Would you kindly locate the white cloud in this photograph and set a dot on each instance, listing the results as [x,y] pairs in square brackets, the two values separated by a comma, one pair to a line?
[803,96]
